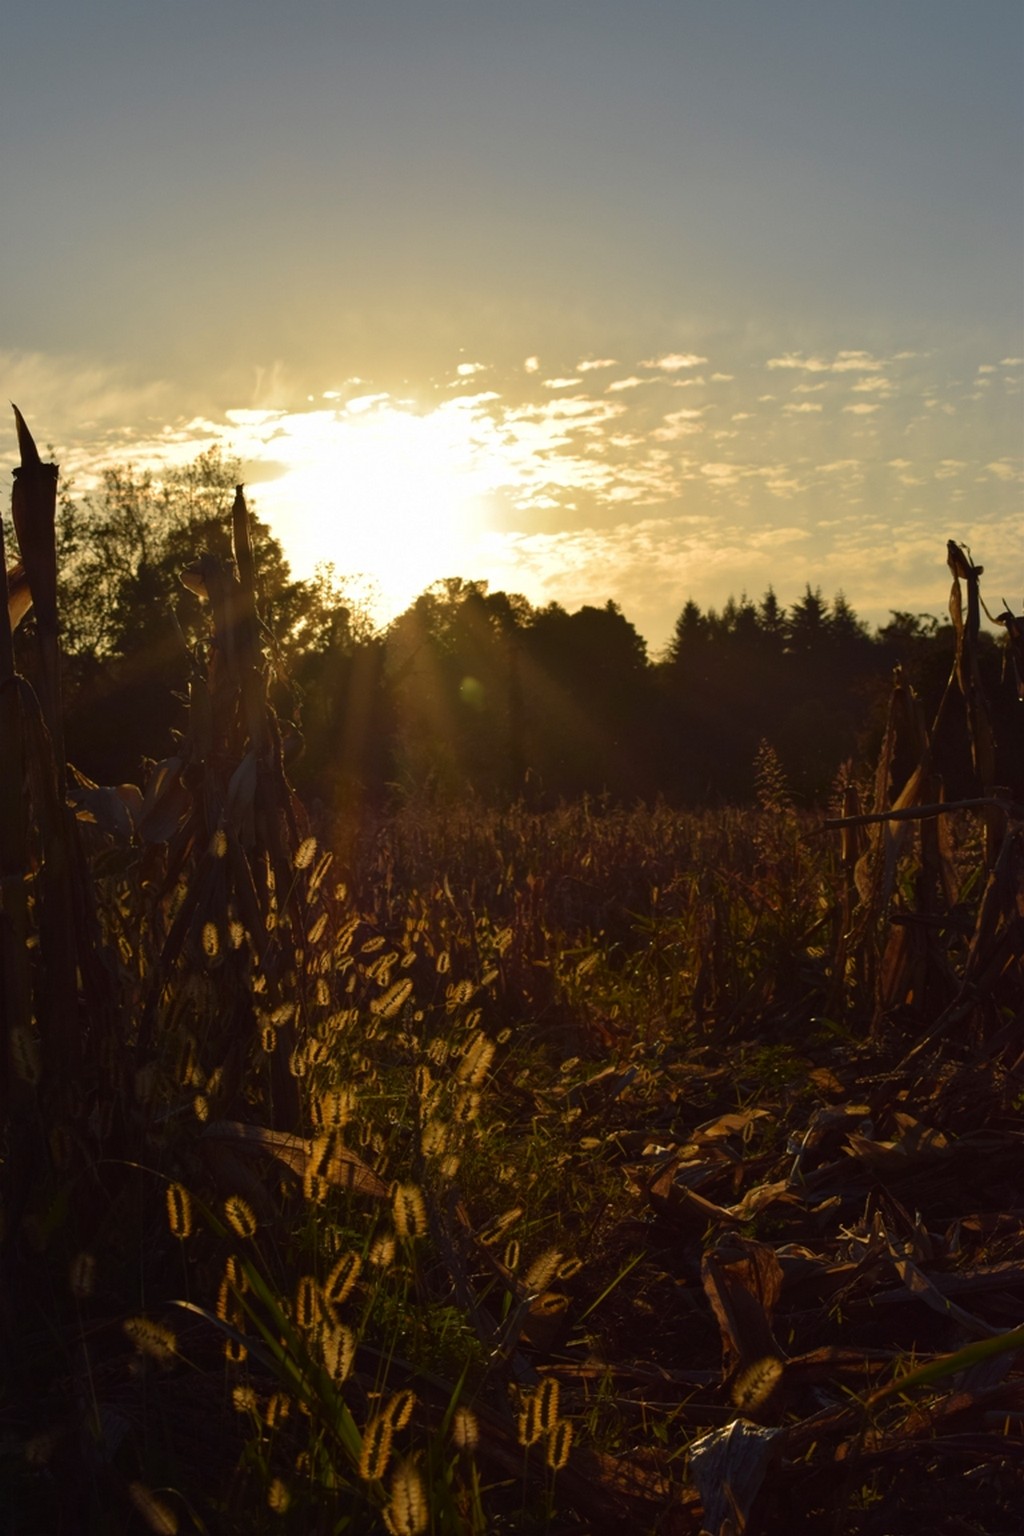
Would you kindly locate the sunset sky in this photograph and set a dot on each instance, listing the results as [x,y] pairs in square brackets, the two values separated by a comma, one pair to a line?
[592,300]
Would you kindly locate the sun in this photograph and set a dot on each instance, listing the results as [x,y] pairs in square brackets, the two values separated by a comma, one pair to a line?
[379,489]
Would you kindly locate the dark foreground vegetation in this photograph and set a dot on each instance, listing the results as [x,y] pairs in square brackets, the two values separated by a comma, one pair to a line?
[510,1170]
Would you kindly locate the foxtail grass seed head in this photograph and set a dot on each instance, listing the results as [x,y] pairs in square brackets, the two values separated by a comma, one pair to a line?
[393,1000]
[756,1384]
[244,1399]
[410,1211]
[315,933]
[279,1406]
[240,1216]
[382,1251]
[407,1514]
[465,1429]
[319,1154]
[83,1276]
[342,1278]
[376,1451]
[268,1039]
[528,1426]
[569,1268]
[433,1138]
[559,1444]
[235,1351]
[466,1107]
[236,934]
[476,1060]
[339,1351]
[495,1229]
[448,1167]
[305,853]
[315,1188]
[159,1516]
[278,1497]
[549,1304]
[399,1408]
[211,941]
[179,1211]
[512,1254]
[151,1339]
[543,1270]
[307,1303]
[234,1274]
[219,844]
[547,1402]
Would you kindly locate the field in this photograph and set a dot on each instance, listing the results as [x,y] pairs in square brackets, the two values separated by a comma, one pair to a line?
[472,1171]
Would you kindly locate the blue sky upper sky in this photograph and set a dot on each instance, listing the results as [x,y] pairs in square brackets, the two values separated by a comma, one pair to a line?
[589,299]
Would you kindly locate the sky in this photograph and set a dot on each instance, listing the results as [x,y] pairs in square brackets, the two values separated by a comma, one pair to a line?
[588,299]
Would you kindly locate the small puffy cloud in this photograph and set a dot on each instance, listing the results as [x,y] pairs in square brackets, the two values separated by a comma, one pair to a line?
[531,365]
[986,367]
[363,403]
[671,362]
[631,383]
[722,378]
[802,407]
[742,416]
[842,467]
[862,408]
[1004,469]
[588,364]
[1011,362]
[808,389]
[560,383]
[722,474]
[843,362]
[875,383]
[466,370]
[679,424]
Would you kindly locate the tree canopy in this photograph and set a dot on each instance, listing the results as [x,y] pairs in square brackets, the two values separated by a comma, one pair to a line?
[469,691]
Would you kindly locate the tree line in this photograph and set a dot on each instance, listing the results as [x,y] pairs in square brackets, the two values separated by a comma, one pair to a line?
[474,693]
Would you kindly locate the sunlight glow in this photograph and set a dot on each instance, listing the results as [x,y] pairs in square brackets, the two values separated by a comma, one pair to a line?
[377,488]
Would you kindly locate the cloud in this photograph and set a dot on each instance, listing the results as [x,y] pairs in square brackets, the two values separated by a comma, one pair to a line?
[861,409]
[560,383]
[679,424]
[63,396]
[875,383]
[843,362]
[804,407]
[1005,469]
[588,364]
[466,370]
[531,364]
[671,362]
[631,383]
